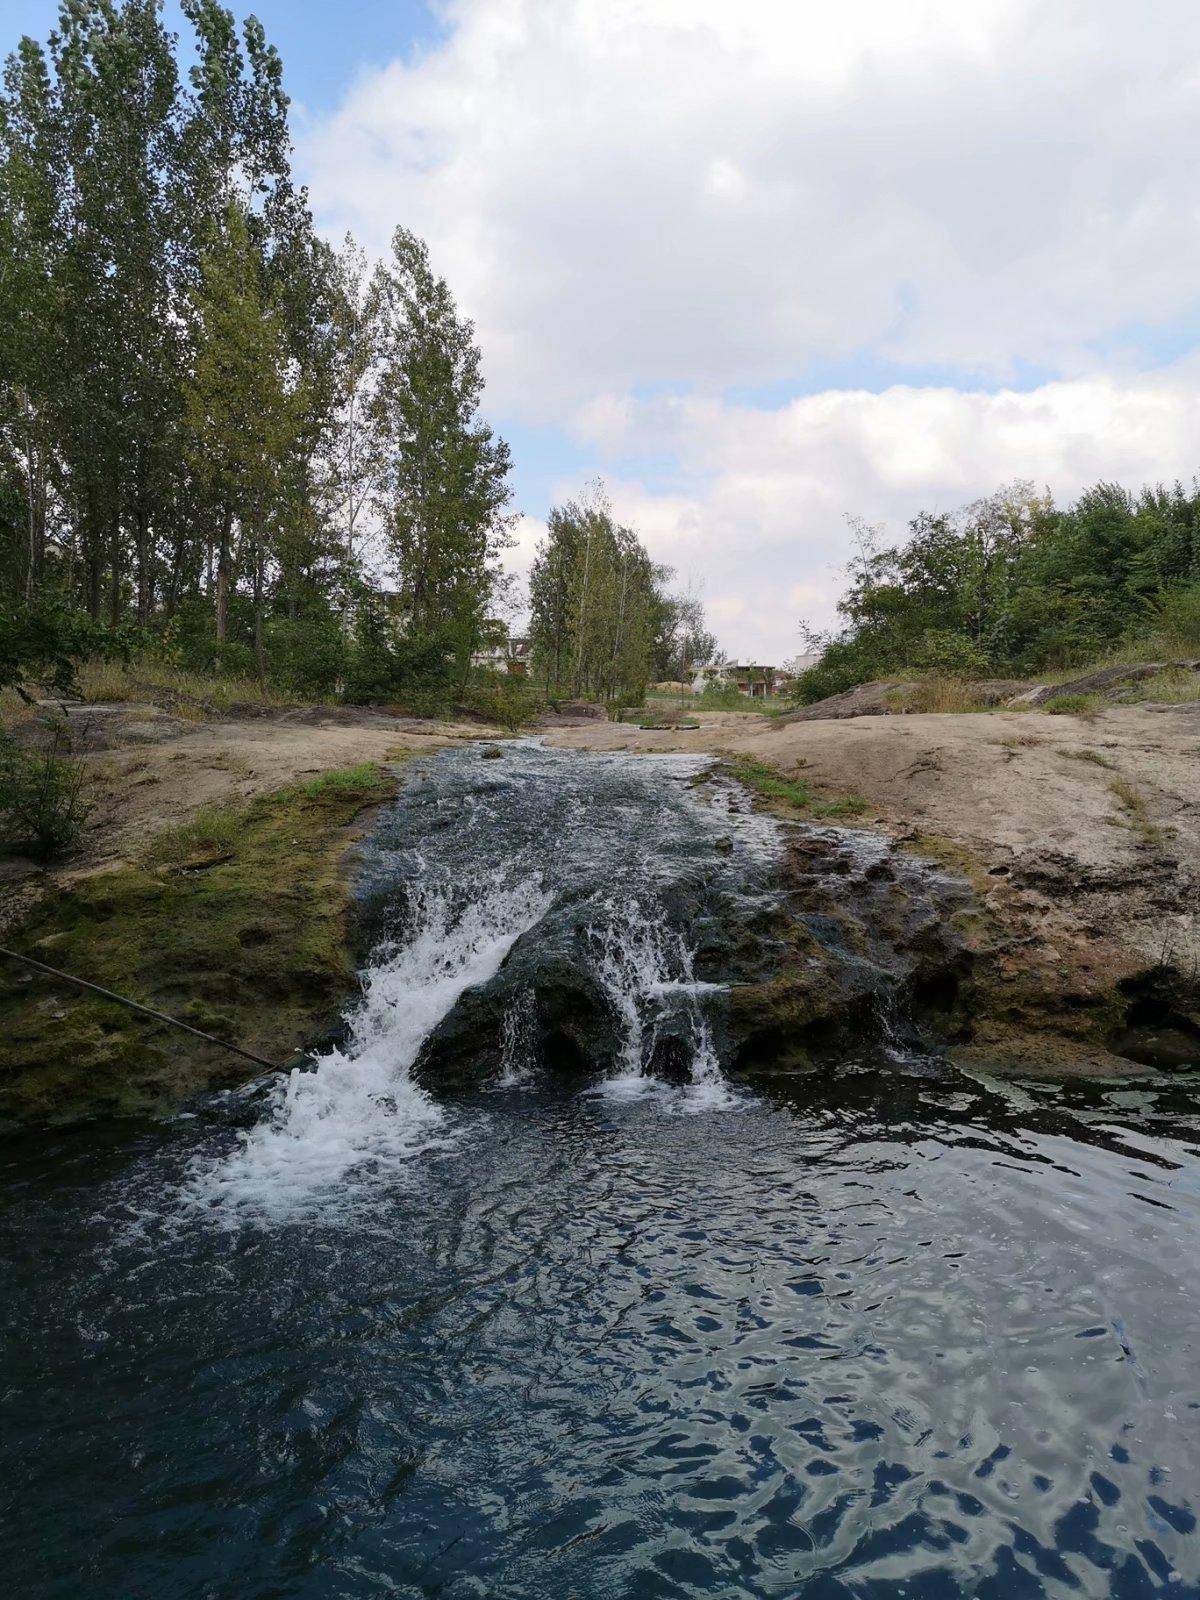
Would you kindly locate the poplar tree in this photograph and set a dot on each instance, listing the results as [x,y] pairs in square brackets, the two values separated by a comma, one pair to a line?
[443,475]
[244,415]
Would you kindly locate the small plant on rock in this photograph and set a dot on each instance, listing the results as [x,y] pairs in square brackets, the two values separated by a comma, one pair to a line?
[42,802]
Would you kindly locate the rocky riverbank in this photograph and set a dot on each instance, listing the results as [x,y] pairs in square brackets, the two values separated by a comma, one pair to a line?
[1078,835]
[1028,881]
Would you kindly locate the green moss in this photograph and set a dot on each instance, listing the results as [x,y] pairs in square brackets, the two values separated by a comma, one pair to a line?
[236,923]
[791,793]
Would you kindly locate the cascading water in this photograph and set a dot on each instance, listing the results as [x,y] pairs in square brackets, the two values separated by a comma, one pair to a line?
[477,859]
[359,1104]
[873,1333]
[647,970]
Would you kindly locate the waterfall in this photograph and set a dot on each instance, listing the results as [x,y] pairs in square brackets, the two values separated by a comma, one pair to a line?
[647,971]
[474,855]
[359,1105]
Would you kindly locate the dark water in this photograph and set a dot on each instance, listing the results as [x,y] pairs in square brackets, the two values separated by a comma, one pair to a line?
[885,1332]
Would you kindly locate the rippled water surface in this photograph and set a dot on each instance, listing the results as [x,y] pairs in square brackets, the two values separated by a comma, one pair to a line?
[886,1331]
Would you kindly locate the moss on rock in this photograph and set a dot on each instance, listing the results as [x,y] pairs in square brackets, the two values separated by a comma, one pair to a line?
[236,923]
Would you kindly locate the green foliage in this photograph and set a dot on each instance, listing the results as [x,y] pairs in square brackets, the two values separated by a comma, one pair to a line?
[442,482]
[505,699]
[1012,585]
[359,780]
[598,605]
[1177,619]
[42,802]
[938,650]
[793,793]
[200,403]
[41,647]
[386,666]
[308,657]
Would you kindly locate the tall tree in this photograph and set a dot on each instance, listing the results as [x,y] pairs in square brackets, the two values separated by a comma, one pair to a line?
[443,476]
[245,415]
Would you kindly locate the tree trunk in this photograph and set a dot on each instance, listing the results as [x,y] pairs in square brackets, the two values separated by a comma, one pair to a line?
[223,577]
[94,548]
[145,580]
[114,584]
[260,658]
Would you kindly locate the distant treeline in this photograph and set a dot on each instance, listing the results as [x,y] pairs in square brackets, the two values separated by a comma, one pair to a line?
[1012,585]
[216,432]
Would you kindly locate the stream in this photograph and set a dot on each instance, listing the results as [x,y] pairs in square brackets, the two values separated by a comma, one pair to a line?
[521,1291]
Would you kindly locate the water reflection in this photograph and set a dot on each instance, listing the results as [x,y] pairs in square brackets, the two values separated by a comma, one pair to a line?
[873,1334]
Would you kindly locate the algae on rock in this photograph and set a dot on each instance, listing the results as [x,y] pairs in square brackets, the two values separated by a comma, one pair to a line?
[237,922]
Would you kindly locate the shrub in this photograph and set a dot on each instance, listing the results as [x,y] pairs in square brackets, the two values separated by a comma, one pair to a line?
[1179,620]
[383,666]
[41,646]
[509,701]
[42,803]
[307,657]
[951,654]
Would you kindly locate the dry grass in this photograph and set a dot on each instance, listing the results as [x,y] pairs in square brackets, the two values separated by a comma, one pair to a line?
[938,694]
[187,694]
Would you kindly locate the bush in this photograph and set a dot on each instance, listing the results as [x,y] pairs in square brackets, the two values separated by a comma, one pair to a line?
[509,701]
[306,657]
[1179,620]
[41,646]
[381,667]
[42,804]
[948,654]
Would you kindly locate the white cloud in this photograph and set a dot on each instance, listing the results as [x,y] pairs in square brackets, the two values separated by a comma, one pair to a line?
[765,521]
[692,198]
[671,192]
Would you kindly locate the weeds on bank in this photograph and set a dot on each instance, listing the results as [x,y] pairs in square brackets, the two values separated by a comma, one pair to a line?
[1134,807]
[343,781]
[1073,705]
[1093,757]
[212,833]
[188,694]
[768,782]
[43,797]
[937,694]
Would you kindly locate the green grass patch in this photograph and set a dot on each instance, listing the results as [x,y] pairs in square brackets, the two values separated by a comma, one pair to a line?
[236,922]
[1072,705]
[793,793]
[343,781]
[1133,805]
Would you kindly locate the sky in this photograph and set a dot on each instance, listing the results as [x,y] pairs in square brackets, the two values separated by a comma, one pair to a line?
[763,265]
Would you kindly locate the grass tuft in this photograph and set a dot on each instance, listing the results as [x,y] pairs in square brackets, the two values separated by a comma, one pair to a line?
[1093,757]
[771,784]
[1073,705]
[1134,807]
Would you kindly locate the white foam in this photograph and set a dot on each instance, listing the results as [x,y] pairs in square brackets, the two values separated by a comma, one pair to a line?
[642,962]
[359,1104]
